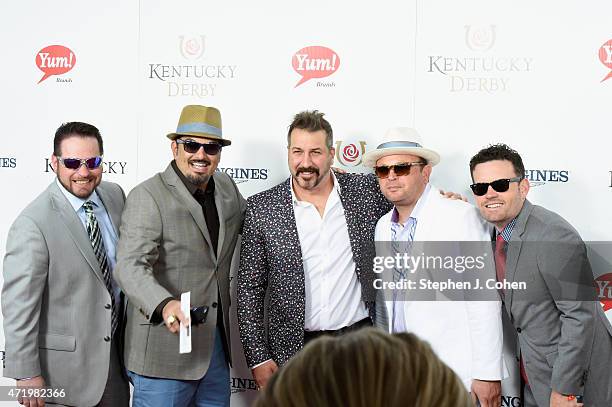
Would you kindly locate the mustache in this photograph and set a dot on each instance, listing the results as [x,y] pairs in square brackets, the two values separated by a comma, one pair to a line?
[307,169]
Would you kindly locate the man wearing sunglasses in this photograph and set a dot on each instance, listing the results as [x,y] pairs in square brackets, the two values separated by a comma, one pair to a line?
[564,337]
[61,306]
[178,233]
[466,335]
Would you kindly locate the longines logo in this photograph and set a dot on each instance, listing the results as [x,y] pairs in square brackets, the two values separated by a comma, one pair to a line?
[108,167]
[510,401]
[240,384]
[541,177]
[8,162]
[350,154]
[240,175]
[191,79]
[477,72]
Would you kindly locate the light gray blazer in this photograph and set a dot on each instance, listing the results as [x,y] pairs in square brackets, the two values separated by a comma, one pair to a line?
[566,344]
[165,250]
[54,300]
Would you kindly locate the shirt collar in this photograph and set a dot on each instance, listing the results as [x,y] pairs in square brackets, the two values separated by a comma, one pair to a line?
[77,202]
[297,202]
[506,233]
[418,208]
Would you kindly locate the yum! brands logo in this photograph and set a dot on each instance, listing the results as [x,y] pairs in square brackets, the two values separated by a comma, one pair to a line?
[350,154]
[605,56]
[315,62]
[55,60]
[604,290]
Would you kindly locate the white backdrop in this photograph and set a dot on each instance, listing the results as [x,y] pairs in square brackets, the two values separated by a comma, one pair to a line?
[464,73]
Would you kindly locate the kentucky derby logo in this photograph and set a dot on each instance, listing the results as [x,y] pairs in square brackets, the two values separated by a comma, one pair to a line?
[191,47]
[480,38]
[605,56]
[350,155]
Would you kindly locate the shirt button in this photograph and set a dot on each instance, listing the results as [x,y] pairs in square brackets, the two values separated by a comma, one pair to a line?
[214,305]
[107,339]
[107,306]
[518,330]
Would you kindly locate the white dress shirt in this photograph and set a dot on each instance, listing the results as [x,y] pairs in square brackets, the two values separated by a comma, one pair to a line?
[333,293]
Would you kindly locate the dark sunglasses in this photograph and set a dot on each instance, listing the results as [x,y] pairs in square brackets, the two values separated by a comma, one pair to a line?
[399,169]
[500,185]
[193,147]
[75,163]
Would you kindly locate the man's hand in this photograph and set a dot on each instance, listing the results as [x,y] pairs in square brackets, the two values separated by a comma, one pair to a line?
[37,381]
[172,314]
[262,373]
[559,400]
[453,195]
[487,392]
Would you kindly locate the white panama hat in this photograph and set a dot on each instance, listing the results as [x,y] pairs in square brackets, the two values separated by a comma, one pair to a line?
[400,140]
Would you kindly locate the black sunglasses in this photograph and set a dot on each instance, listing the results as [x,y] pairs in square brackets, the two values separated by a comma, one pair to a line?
[500,185]
[75,163]
[193,147]
[401,169]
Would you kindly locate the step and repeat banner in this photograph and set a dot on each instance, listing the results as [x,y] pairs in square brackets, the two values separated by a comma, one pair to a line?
[535,75]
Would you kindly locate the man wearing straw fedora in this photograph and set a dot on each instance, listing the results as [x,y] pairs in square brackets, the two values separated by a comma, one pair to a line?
[466,335]
[178,234]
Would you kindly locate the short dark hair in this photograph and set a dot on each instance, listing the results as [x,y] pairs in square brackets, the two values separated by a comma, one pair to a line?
[498,152]
[312,121]
[79,129]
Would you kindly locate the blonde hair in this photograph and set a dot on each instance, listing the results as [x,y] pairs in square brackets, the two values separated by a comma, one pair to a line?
[366,368]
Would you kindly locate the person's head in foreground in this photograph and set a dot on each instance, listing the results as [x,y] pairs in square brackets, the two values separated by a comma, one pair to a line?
[366,368]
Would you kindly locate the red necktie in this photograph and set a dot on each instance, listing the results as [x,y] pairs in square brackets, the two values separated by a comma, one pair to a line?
[500,259]
[500,271]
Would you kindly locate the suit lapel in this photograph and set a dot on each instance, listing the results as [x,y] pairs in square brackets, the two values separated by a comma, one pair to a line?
[514,249]
[112,208]
[286,217]
[75,228]
[220,201]
[194,208]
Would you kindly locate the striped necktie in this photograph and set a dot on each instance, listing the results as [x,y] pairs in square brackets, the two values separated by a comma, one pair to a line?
[95,235]
[399,322]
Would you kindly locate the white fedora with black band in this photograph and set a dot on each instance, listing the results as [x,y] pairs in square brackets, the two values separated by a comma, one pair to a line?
[400,140]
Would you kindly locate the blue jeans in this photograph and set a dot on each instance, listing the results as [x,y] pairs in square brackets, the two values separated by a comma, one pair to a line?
[212,390]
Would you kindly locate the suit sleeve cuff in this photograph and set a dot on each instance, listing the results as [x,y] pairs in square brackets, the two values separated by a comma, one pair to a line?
[262,363]
[157,316]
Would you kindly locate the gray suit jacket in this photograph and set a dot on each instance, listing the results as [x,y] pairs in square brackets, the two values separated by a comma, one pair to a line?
[165,250]
[54,300]
[563,334]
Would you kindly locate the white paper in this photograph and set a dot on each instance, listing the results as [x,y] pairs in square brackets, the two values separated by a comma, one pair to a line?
[185,330]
